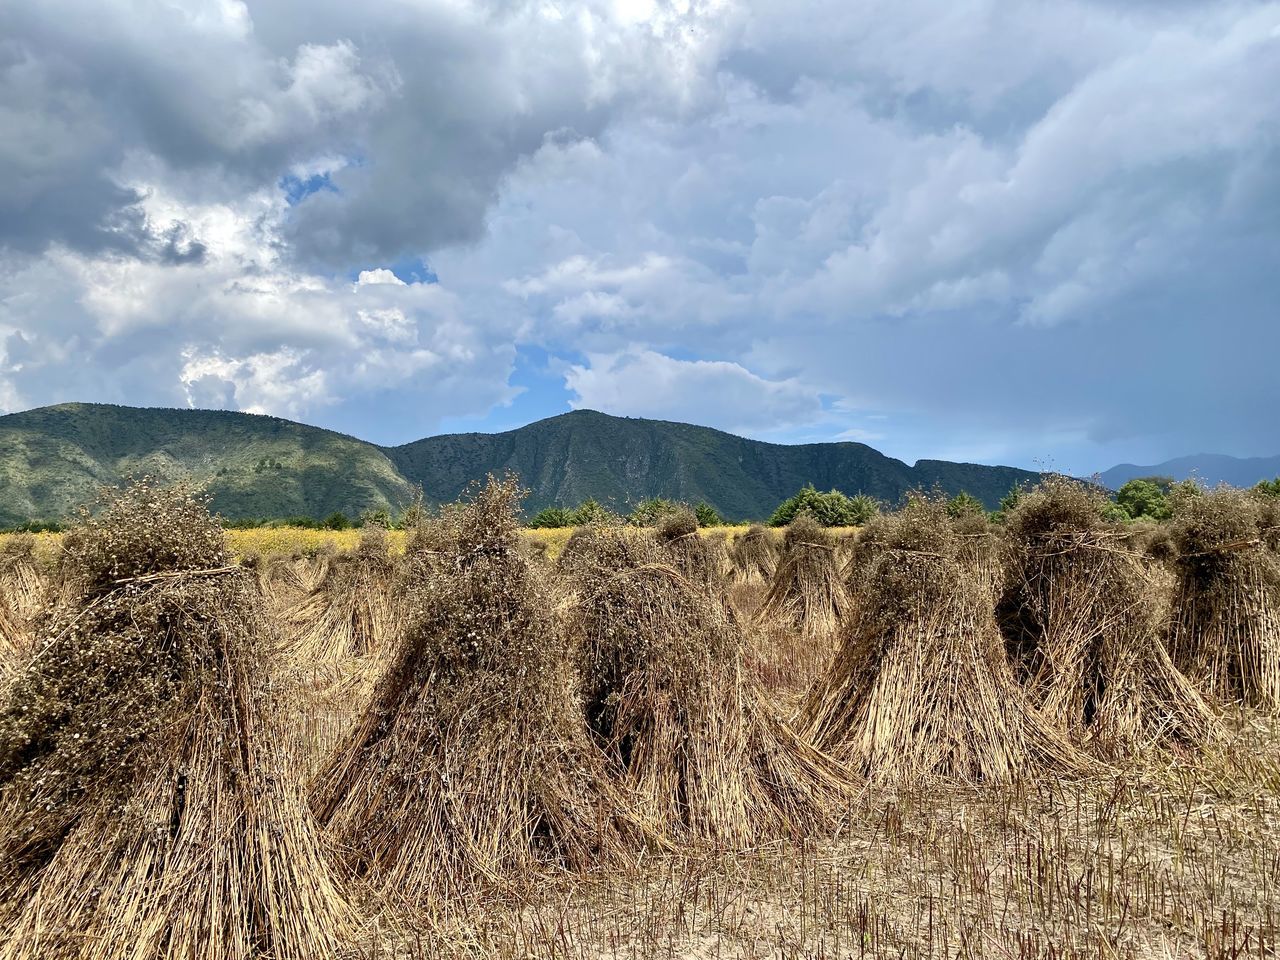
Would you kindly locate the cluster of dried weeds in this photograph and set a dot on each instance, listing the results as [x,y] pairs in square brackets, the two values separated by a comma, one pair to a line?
[22,592]
[1225,632]
[472,764]
[807,592]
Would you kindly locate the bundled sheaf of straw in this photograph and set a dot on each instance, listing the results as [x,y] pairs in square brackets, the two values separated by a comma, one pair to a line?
[336,638]
[666,693]
[281,581]
[22,592]
[291,587]
[146,810]
[807,593]
[22,582]
[472,763]
[920,688]
[699,559]
[1225,629]
[754,556]
[1085,621]
[356,609]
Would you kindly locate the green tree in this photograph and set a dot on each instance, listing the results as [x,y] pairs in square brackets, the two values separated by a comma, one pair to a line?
[1145,498]
[964,504]
[336,521]
[1007,503]
[863,508]
[648,513]
[831,509]
[552,517]
[376,518]
[1268,488]
[589,511]
[707,515]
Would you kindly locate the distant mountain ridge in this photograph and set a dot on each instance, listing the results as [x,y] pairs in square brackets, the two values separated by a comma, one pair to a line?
[255,467]
[1209,468]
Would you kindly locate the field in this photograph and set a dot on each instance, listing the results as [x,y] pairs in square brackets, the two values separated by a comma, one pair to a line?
[931,737]
[1170,860]
[273,542]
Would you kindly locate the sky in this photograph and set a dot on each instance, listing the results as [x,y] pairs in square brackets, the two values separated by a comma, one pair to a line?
[1041,234]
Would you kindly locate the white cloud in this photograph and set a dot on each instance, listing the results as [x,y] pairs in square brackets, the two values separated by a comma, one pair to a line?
[279,383]
[239,328]
[997,225]
[644,383]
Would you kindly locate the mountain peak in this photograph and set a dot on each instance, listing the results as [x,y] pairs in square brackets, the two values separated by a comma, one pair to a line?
[54,458]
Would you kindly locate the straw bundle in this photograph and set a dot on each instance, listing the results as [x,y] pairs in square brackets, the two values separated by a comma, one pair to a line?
[314,567]
[22,590]
[356,611]
[1225,632]
[754,556]
[1269,519]
[666,693]
[807,594]
[1085,621]
[22,584]
[472,764]
[690,553]
[145,810]
[980,550]
[700,560]
[281,581]
[920,688]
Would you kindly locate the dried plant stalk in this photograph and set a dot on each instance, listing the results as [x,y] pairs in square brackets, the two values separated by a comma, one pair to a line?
[754,556]
[1085,621]
[667,694]
[146,807]
[807,594]
[472,764]
[920,688]
[1225,630]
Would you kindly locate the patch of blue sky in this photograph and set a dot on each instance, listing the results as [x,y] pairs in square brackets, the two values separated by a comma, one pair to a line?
[296,189]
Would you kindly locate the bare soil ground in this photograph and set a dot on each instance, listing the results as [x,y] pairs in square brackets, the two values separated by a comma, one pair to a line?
[1177,857]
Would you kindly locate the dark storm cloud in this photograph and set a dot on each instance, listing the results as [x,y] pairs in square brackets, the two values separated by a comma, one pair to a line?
[988,230]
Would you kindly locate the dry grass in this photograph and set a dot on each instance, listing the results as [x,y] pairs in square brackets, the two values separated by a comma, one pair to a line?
[1165,860]
[920,689]
[472,767]
[271,542]
[703,755]
[807,599]
[146,807]
[1085,618]
[555,761]
[1225,632]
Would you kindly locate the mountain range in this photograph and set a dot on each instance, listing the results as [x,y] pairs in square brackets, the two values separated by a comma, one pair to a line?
[1210,469]
[53,459]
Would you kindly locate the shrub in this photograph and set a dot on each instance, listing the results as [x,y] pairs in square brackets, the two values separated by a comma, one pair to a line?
[336,521]
[589,511]
[376,518]
[651,512]
[1268,488]
[964,504]
[1145,498]
[551,517]
[831,509]
[1007,503]
[707,515]
[864,509]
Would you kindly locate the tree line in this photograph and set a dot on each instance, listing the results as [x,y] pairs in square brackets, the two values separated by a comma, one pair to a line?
[1143,498]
